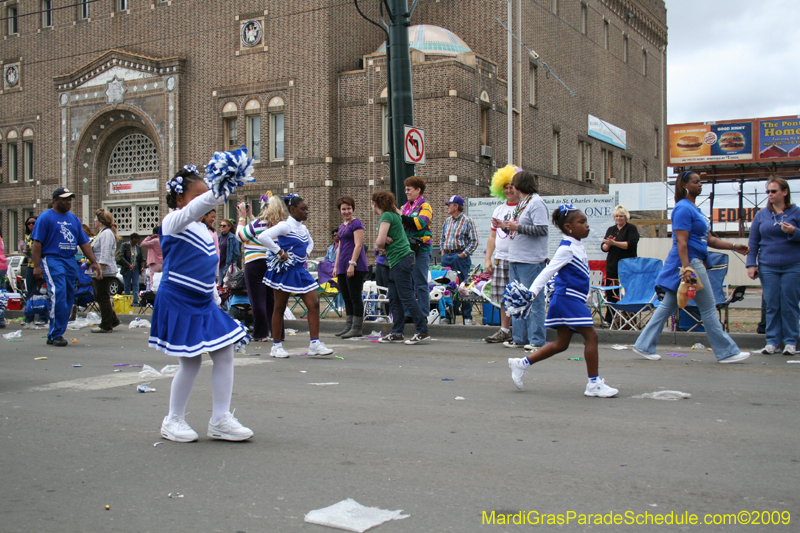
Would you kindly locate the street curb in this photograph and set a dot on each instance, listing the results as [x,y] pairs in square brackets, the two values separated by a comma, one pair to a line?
[745,341]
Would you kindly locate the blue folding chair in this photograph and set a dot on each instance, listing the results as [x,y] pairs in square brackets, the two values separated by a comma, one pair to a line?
[637,280]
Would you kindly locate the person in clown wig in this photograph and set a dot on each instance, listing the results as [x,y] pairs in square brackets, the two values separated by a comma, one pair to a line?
[499,244]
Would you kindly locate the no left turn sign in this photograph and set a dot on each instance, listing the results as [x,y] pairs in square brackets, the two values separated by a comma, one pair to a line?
[414,146]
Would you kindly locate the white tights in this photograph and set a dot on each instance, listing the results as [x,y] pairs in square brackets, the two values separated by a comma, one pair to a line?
[221,383]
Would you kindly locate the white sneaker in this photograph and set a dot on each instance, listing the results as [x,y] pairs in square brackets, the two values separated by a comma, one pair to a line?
[279,352]
[229,428]
[736,358]
[517,370]
[651,356]
[789,349]
[467,321]
[531,348]
[319,349]
[769,349]
[512,344]
[176,429]
[599,389]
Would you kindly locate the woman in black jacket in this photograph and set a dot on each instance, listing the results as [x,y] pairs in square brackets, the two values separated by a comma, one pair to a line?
[620,242]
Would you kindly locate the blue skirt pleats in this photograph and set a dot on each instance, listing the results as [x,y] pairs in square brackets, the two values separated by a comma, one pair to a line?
[187,323]
[295,279]
[567,311]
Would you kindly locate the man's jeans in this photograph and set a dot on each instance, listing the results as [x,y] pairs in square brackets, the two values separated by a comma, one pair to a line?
[401,295]
[462,266]
[530,330]
[131,278]
[720,342]
[781,290]
[420,278]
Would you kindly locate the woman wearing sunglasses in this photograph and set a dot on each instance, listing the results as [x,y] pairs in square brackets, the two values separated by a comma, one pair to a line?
[775,257]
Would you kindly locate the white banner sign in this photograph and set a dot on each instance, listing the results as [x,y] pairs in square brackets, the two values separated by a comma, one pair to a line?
[600,129]
[597,208]
[124,187]
[642,196]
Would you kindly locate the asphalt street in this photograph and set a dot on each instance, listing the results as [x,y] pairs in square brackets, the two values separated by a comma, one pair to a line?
[437,430]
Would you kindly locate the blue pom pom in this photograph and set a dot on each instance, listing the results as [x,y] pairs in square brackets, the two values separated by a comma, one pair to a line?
[517,299]
[3,300]
[228,170]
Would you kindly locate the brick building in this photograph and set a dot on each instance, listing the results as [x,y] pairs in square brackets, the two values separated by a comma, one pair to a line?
[111,97]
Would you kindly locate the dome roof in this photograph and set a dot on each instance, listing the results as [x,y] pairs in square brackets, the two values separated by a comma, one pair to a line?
[433,40]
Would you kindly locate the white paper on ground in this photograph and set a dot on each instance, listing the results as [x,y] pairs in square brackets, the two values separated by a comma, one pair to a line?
[170,370]
[352,516]
[665,395]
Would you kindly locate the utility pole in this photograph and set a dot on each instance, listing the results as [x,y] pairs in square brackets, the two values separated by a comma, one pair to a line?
[401,101]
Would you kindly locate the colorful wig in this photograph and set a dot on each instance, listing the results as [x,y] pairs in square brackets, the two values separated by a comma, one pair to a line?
[500,179]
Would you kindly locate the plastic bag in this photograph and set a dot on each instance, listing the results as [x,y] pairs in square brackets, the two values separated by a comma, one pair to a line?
[149,372]
[288,315]
[93,318]
[139,323]
[665,395]
[170,370]
[687,291]
[352,516]
[14,335]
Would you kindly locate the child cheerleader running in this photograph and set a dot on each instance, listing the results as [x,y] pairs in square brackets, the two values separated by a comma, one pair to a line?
[568,311]
[186,318]
[287,275]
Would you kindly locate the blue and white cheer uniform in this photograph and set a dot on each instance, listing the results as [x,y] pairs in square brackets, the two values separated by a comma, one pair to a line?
[294,239]
[186,318]
[570,266]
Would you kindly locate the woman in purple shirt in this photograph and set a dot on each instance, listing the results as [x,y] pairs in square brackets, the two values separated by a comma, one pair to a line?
[350,267]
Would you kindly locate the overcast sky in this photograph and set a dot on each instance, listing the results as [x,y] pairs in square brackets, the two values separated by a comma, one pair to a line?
[729,59]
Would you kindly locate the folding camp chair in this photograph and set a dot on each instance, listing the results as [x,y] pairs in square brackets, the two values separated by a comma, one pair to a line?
[327,294]
[376,301]
[717,269]
[637,277]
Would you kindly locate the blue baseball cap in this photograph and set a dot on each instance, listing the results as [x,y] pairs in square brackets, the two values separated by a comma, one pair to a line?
[455,200]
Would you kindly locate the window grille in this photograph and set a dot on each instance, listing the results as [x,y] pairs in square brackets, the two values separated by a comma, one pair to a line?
[134,154]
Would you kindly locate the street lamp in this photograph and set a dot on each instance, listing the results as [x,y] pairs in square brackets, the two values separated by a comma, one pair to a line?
[400,97]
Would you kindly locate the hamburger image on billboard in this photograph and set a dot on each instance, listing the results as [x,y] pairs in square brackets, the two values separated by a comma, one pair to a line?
[689,143]
[733,140]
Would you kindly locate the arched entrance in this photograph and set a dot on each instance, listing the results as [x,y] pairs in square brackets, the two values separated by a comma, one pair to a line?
[118,166]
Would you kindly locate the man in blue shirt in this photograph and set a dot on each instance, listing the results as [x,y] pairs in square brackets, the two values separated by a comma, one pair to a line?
[56,238]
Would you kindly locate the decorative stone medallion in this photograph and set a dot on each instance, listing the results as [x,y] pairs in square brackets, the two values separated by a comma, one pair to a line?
[63,99]
[115,91]
[171,83]
[11,75]
[251,33]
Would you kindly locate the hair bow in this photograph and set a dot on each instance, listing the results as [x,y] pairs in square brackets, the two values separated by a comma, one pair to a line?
[175,184]
[190,168]
[566,208]
[290,197]
[265,199]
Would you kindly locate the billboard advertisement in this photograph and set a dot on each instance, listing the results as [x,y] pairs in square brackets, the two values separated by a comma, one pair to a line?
[711,142]
[778,138]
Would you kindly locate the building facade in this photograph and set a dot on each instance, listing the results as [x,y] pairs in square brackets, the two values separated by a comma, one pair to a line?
[110,97]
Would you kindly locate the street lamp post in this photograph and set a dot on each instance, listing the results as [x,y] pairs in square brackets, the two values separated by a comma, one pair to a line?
[400,96]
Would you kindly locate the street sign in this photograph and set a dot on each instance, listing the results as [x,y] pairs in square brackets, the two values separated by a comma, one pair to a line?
[414,145]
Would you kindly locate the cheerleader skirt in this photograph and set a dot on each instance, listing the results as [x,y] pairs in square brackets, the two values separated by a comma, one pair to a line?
[567,311]
[187,323]
[295,280]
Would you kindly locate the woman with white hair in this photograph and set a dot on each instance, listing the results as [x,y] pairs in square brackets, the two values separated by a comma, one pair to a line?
[620,242]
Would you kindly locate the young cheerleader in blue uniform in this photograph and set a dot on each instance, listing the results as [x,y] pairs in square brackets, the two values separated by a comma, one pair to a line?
[287,275]
[567,311]
[187,320]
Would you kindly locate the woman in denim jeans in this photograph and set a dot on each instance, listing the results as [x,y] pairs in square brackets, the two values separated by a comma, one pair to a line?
[775,256]
[690,241]
[393,242]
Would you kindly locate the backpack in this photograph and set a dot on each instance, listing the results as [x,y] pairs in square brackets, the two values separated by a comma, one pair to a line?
[118,254]
[236,282]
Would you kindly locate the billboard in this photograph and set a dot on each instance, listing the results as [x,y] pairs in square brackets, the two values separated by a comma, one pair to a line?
[711,142]
[772,139]
[778,138]
[600,129]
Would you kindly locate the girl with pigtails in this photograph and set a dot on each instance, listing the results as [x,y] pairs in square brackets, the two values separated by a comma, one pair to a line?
[567,312]
[287,275]
[187,320]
